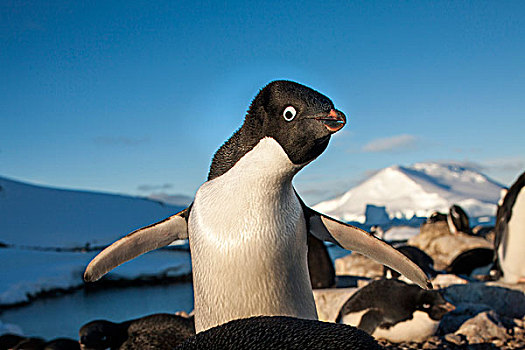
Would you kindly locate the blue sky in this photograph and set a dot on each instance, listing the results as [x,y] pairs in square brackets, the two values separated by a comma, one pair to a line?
[135,96]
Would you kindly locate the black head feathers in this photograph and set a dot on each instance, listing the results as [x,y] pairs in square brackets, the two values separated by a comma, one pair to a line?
[299,118]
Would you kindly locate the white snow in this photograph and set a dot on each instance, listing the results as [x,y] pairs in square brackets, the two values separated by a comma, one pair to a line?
[25,273]
[37,216]
[418,190]
[400,233]
[34,219]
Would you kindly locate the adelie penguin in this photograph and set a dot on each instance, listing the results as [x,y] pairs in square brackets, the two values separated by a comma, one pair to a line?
[247,226]
[509,244]
[457,220]
[396,311]
[153,332]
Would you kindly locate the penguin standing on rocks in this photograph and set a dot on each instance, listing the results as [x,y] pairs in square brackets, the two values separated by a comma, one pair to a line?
[394,310]
[509,243]
[247,226]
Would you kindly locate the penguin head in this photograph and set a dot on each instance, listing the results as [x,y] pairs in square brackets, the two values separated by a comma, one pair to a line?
[299,118]
[100,334]
[433,303]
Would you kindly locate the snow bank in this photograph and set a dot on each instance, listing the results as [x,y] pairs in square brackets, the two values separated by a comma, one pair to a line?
[35,216]
[26,273]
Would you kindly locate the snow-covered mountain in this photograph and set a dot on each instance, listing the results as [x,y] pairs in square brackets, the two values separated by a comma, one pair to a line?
[36,216]
[418,190]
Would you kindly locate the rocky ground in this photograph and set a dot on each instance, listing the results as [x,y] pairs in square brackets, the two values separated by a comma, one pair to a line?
[488,315]
[479,332]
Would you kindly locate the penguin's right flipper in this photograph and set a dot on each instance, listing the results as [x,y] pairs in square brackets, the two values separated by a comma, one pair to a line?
[138,242]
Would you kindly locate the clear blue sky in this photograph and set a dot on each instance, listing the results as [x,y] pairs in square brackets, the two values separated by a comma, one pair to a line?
[123,96]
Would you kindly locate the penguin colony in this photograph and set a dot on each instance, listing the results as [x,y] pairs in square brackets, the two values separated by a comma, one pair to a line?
[247,226]
[248,231]
[253,227]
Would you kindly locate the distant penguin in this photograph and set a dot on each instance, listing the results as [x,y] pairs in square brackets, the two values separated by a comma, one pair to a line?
[9,340]
[394,310]
[377,231]
[470,260]
[278,332]
[320,265]
[422,259]
[62,344]
[32,343]
[436,217]
[248,227]
[509,243]
[158,331]
[457,220]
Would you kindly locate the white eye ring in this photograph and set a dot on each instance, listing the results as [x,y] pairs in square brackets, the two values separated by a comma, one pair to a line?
[289,113]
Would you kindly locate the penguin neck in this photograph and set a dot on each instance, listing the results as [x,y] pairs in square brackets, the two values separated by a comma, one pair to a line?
[262,161]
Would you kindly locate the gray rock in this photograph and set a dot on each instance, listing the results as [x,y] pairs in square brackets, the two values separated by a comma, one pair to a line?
[358,265]
[457,339]
[436,240]
[504,301]
[483,328]
[454,319]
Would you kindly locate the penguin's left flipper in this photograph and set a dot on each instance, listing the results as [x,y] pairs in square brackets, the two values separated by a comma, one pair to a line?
[352,238]
[138,242]
[370,321]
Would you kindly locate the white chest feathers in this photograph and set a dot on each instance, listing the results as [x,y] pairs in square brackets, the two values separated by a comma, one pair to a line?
[419,328]
[512,248]
[248,242]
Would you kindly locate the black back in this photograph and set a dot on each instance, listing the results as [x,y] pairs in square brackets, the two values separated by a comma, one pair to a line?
[436,217]
[103,334]
[320,266]
[467,261]
[158,331]
[419,257]
[503,216]
[33,343]
[8,340]
[504,212]
[459,220]
[279,332]
[391,301]
[62,344]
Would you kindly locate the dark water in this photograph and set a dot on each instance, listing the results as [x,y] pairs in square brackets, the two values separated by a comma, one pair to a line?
[63,316]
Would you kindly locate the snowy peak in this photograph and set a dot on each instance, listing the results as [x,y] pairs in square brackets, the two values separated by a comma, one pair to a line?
[459,180]
[417,190]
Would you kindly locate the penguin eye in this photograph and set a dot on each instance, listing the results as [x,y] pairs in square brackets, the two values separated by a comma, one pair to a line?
[289,113]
